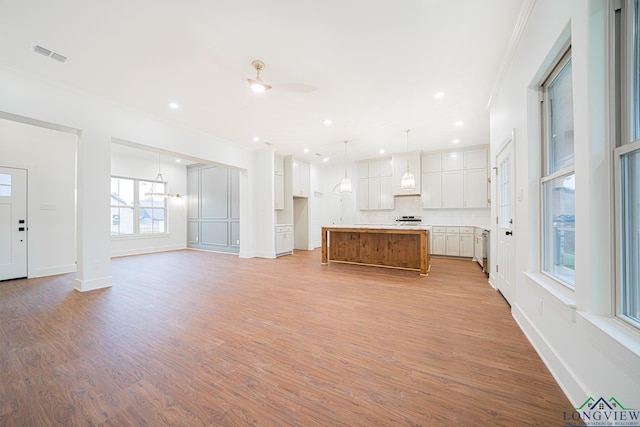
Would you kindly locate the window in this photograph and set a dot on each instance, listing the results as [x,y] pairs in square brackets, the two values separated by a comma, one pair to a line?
[5,184]
[134,210]
[627,157]
[558,174]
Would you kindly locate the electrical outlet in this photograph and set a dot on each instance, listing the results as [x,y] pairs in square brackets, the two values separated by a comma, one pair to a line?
[540,306]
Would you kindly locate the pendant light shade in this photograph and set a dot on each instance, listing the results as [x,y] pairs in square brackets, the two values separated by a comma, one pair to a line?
[345,184]
[408,180]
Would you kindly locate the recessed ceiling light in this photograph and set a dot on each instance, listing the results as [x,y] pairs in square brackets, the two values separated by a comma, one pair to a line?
[459,123]
[178,161]
[455,141]
[306,150]
[381,151]
[256,139]
[438,95]
[327,122]
[325,160]
[174,105]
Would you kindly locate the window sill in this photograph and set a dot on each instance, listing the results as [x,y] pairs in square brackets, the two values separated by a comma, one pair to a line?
[556,289]
[624,334]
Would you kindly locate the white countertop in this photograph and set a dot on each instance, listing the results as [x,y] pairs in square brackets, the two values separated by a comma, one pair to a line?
[381,226]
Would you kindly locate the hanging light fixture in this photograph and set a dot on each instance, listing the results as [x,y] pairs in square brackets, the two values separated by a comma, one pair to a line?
[159,180]
[345,184]
[257,85]
[408,181]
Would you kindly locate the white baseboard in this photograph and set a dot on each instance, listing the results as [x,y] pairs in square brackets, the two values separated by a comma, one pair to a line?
[559,370]
[142,251]
[52,271]
[93,284]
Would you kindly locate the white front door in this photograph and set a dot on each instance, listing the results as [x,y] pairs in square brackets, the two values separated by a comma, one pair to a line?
[505,266]
[13,223]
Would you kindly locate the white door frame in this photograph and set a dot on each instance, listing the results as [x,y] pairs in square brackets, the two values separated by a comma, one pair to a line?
[505,238]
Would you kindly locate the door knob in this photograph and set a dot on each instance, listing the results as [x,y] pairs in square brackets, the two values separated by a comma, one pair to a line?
[509,233]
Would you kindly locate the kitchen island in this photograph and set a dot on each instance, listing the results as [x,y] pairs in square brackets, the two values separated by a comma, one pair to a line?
[391,246]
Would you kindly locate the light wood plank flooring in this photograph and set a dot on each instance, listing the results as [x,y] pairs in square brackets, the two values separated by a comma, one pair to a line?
[189,338]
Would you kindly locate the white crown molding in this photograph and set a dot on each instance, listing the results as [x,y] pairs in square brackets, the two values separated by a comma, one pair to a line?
[516,35]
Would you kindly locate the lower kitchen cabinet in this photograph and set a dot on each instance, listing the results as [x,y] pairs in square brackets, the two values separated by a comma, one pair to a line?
[284,235]
[466,242]
[452,241]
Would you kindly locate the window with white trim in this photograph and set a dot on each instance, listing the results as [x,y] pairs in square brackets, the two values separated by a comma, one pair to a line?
[627,161]
[137,207]
[558,174]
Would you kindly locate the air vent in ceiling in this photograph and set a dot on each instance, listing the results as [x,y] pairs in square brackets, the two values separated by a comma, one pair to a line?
[319,154]
[267,143]
[48,52]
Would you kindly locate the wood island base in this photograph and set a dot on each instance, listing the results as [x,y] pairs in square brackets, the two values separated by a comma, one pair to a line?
[402,248]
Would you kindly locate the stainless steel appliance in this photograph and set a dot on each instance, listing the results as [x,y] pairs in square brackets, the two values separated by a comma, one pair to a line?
[409,220]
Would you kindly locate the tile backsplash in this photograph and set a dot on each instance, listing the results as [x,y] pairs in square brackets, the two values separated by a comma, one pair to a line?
[412,205]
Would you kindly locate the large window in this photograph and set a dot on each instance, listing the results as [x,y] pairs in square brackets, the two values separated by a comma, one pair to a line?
[558,174]
[137,207]
[627,157]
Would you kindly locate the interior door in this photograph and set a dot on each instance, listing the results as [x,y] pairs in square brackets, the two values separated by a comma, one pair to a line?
[13,223]
[505,267]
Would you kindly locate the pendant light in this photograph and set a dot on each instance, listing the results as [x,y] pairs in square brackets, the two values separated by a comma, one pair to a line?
[159,180]
[345,185]
[408,181]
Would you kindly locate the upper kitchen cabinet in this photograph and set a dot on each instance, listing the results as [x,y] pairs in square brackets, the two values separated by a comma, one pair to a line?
[400,162]
[299,177]
[476,188]
[455,179]
[278,183]
[374,184]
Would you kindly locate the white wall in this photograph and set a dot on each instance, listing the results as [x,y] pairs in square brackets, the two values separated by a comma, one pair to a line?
[97,122]
[49,157]
[136,163]
[588,351]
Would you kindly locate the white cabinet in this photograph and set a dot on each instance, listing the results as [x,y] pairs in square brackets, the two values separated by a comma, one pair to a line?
[438,238]
[300,184]
[278,165]
[478,245]
[475,188]
[375,185]
[466,242]
[278,192]
[278,183]
[452,241]
[475,159]
[400,162]
[283,240]
[432,190]
[452,193]
[452,161]
[475,185]
[455,179]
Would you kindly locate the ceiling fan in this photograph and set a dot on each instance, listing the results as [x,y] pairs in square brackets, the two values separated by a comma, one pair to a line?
[259,86]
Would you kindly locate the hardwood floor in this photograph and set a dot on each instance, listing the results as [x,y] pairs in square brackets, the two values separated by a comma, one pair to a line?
[191,338]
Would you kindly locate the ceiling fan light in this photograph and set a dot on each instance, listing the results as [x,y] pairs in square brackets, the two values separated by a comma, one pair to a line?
[258,86]
[408,181]
[345,185]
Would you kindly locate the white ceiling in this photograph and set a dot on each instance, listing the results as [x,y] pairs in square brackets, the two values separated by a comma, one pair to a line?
[371,66]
